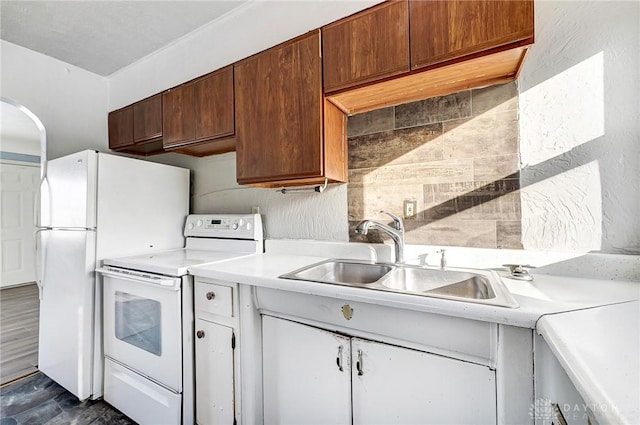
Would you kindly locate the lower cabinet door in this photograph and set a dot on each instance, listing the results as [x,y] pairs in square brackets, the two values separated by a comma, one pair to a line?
[306,374]
[403,386]
[214,374]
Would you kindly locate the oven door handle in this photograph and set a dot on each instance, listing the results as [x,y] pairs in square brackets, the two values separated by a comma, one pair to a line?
[168,283]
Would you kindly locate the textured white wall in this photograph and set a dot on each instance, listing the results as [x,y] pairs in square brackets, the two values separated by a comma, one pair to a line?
[304,215]
[579,128]
[70,102]
[579,141]
[579,109]
[254,27]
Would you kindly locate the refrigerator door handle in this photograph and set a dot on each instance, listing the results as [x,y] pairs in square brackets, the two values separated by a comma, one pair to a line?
[39,260]
[37,210]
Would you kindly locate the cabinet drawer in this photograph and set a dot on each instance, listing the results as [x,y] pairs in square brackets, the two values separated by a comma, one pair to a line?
[214,299]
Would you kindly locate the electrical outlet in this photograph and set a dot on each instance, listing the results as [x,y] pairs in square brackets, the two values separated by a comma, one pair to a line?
[409,208]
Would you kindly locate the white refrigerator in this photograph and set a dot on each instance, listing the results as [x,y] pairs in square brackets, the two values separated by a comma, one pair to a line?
[94,206]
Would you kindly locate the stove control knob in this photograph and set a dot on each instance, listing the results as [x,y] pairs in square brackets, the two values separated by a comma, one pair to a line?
[241,222]
[200,334]
[190,226]
[199,223]
[235,226]
[249,225]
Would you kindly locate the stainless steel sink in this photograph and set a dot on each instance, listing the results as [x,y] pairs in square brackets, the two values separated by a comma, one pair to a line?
[475,287]
[341,272]
[478,286]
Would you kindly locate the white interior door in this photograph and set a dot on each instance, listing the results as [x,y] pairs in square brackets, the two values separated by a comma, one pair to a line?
[18,187]
[306,376]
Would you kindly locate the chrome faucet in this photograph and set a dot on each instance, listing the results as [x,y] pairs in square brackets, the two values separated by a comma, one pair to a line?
[397,233]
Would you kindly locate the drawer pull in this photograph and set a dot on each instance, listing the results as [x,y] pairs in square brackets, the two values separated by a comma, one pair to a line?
[211,295]
[359,364]
[339,359]
[200,334]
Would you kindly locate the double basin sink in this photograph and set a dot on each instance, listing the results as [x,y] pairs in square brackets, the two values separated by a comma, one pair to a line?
[477,286]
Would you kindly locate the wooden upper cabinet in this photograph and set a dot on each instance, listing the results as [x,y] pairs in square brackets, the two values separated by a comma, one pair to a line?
[147,119]
[281,118]
[444,30]
[199,111]
[178,116]
[368,46]
[215,105]
[137,128]
[121,128]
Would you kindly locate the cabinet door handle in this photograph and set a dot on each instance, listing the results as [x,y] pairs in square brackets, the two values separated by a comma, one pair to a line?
[200,334]
[339,359]
[211,295]
[359,363]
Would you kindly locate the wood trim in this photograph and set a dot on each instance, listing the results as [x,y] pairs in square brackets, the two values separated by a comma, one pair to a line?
[212,147]
[335,143]
[307,181]
[482,71]
[144,149]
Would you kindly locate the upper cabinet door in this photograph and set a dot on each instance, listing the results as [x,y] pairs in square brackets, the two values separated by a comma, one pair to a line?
[279,109]
[147,119]
[121,128]
[200,110]
[365,47]
[178,115]
[137,129]
[214,105]
[445,30]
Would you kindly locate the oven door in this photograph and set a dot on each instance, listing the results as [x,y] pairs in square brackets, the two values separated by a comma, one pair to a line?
[142,324]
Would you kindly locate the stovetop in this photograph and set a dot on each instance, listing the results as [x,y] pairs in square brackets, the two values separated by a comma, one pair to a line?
[173,263]
[210,238]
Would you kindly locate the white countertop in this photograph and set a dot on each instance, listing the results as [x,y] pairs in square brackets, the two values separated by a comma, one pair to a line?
[545,295]
[599,348]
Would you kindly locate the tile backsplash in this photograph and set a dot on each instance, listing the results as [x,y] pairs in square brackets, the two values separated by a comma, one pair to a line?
[455,155]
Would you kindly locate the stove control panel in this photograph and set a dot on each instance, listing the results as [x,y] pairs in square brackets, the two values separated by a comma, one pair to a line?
[233,226]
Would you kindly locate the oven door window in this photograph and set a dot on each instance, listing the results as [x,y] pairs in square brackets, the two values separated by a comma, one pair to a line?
[138,322]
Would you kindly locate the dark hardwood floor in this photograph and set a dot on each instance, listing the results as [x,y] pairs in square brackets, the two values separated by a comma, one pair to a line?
[37,400]
[19,314]
[27,396]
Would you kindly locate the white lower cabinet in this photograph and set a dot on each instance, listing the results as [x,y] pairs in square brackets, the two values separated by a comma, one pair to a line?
[306,374]
[313,376]
[214,374]
[216,363]
[558,402]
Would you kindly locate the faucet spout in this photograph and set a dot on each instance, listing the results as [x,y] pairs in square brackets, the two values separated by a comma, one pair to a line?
[396,234]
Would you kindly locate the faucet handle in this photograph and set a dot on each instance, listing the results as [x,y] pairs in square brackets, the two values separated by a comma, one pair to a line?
[443,259]
[399,225]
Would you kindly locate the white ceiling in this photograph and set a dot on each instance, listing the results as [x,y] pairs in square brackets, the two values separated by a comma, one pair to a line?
[104,36]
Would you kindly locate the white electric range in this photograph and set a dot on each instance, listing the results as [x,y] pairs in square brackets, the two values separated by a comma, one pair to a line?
[148,318]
